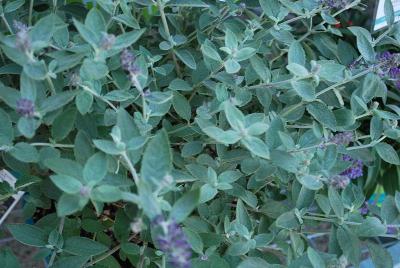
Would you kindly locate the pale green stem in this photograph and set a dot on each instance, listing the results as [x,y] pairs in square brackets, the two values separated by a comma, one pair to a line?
[131,167]
[60,230]
[30,12]
[6,23]
[54,145]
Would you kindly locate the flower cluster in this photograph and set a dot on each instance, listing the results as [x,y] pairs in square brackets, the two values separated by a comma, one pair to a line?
[338,4]
[25,107]
[22,40]
[107,41]
[339,181]
[173,242]
[388,67]
[342,138]
[355,170]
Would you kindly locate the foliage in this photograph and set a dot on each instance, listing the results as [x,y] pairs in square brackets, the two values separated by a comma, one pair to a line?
[195,133]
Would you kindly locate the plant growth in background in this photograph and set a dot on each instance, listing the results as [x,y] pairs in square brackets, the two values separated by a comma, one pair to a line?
[190,133]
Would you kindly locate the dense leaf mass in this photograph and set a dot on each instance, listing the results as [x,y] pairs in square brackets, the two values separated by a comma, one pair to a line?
[200,133]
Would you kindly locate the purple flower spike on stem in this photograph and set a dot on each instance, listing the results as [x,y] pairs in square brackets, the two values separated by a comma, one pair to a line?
[343,138]
[22,41]
[173,243]
[25,107]
[340,181]
[355,170]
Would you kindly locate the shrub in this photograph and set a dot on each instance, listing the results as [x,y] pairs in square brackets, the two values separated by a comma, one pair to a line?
[190,133]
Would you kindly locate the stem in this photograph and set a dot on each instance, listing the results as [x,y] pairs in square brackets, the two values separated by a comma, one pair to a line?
[345,81]
[107,254]
[141,260]
[54,145]
[166,29]
[372,144]
[51,85]
[17,197]
[88,89]
[131,167]
[30,12]
[6,23]
[60,229]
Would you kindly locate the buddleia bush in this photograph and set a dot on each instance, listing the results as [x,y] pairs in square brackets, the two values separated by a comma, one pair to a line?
[195,133]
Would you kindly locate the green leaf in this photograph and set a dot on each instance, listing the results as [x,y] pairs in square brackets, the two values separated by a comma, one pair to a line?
[387,153]
[185,205]
[370,227]
[304,89]
[270,7]
[63,124]
[27,126]
[157,151]
[64,166]
[88,35]
[182,106]
[43,30]
[66,183]
[315,258]
[380,257]
[28,234]
[209,51]
[256,146]
[389,12]
[84,101]
[310,182]
[72,261]
[235,116]
[336,202]
[284,160]
[194,240]
[95,168]
[232,66]
[187,3]
[128,39]
[106,194]
[6,130]
[93,70]
[364,43]
[25,152]
[297,69]
[186,57]
[94,21]
[8,259]
[296,54]
[83,246]
[287,220]
[322,114]
[350,245]
[254,262]
[244,53]
[13,5]
[180,85]
[108,147]
[261,69]
[36,70]
[55,102]
[69,204]
[242,216]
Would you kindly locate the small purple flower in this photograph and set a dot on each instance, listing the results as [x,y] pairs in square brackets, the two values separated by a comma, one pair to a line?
[107,41]
[342,138]
[173,242]
[364,209]
[391,230]
[128,62]
[339,181]
[22,40]
[25,107]
[355,170]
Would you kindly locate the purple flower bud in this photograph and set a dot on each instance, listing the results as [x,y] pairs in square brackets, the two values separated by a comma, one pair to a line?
[22,41]
[25,107]
[172,242]
[107,41]
[339,181]
[391,230]
[343,138]
[364,209]
[355,170]
[128,62]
